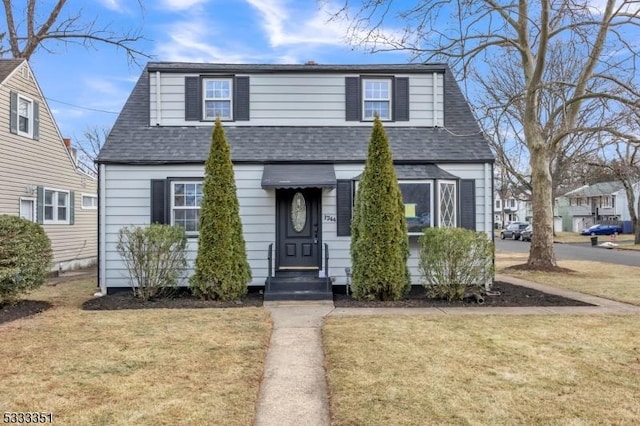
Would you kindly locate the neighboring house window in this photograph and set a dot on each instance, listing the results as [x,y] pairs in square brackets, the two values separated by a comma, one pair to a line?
[498,205]
[447,204]
[376,98]
[28,209]
[613,201]
[56,206]
[573,202]
[186,200]
[417,197]
[25,116]
[89,202]
[217,99]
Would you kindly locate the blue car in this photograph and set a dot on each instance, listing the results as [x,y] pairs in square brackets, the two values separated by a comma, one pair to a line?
[602,230]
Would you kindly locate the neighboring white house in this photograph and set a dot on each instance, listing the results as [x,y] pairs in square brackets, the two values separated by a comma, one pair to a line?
[507,210]
[298,136]
[600,202]
[40,179]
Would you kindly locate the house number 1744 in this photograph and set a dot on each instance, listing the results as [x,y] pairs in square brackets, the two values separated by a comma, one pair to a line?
[328,218]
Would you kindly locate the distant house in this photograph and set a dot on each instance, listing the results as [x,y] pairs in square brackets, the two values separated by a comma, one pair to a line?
[597,203]
[508,209]
[299,136]
[39,177]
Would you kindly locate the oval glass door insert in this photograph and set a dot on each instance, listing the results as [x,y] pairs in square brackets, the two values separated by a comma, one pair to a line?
[298,212]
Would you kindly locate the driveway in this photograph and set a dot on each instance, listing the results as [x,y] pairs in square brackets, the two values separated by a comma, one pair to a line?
[577,251]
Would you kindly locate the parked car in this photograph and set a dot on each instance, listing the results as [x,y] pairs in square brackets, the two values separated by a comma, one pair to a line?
[513,230]
[602,230]
[527,233]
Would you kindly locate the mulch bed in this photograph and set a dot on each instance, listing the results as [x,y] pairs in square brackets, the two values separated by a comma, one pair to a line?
[22,309]
[509,296]
[180,300]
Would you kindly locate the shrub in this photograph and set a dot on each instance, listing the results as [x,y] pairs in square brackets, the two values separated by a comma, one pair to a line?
[25,257]
[379,240]
[155,257]
[454,261]
[221,268]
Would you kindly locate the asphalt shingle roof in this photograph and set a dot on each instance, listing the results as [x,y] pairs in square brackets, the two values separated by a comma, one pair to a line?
[7,66]
[133,141]
[595,190]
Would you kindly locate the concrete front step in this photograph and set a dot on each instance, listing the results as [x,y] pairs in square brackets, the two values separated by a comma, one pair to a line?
[298,295]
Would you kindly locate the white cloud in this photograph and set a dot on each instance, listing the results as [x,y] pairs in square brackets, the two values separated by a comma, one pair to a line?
[115,5]
[181,4]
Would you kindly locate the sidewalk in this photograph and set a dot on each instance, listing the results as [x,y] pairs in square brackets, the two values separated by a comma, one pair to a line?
[294,387]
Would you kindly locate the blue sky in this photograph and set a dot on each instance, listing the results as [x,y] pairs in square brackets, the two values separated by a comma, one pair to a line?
[228,31]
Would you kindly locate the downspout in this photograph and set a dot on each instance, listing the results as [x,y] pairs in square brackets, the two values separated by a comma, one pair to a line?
[102,245]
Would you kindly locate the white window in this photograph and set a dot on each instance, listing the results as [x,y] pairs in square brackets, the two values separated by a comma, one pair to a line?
[186,200]
[447,204]
[56,206]
[28,209]
[25,116]
[217,98]
[89,202]
[417,197]
[376,98]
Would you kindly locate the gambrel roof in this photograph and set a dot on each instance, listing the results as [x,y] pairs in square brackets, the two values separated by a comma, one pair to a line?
[134,141]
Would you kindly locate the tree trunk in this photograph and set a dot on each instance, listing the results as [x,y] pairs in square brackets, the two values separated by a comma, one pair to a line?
[634,213]
[541,254]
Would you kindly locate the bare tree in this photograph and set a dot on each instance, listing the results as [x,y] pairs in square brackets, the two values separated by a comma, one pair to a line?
[89,146]
[38,25]
[470,35]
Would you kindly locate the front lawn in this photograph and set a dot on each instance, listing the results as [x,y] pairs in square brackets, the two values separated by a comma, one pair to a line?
[164,366]
[483,370]
[616,282]
[574,237]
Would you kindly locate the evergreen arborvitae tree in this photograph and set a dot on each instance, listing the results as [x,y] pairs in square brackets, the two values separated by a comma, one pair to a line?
[221,268]
[379,239]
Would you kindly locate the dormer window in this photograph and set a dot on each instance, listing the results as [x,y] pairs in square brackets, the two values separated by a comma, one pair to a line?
[217,96]
[376,98]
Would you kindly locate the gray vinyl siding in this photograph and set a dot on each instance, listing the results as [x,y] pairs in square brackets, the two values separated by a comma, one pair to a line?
[296,100]
[27,163]
[126,199]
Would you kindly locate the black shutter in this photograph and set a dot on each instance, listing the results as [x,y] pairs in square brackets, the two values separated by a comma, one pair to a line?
[344,202]
[159,196]
[36,120]
[13,111]
[401,99]
[468,204]
[241,99]
[192,96]
[352,99]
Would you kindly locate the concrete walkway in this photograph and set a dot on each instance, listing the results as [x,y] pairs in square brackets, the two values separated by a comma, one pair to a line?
[294,387]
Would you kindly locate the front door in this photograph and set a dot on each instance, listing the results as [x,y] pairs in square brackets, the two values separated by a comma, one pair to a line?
[298,228]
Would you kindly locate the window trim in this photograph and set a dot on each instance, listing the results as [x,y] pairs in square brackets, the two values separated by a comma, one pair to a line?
[364,100]
[29,132]
[431,183]
[55,206]
[455,201]
[172,207]
[92,207]
[203,88]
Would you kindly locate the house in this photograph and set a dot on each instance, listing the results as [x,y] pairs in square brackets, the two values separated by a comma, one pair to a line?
[298,136]
[599,202]
[40,178]
[506,210]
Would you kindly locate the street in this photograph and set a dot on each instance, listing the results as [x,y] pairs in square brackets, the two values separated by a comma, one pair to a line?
[579,251]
